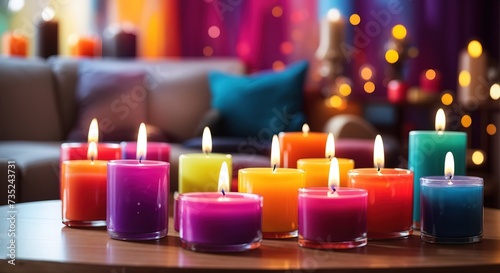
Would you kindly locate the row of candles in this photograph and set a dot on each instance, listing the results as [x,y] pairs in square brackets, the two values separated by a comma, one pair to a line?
[326,202]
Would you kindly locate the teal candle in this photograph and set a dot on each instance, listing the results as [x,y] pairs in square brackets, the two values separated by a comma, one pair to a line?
[426,153]
[452,209]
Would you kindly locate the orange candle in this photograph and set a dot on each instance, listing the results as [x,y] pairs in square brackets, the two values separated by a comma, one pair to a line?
[14,44]
[297,145]
[318,169]
[279,189]
[83,46]
[83,184]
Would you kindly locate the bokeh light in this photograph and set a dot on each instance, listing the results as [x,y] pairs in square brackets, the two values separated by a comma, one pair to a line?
[466,121]
[213,31]
[208,51]
[495,91]
[430,74]
[345,89]
[475,49]
[391,56]
[399,32]
[369,87]
[355,19]
[366,73]
[491,129]
[464,78]
[447,99]
[478,157]
[277,11]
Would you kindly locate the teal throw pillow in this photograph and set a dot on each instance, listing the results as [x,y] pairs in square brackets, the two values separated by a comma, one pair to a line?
[260,104]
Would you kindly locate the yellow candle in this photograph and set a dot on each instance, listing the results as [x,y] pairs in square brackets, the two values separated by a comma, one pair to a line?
[200,172]
[279,189]
[317,169]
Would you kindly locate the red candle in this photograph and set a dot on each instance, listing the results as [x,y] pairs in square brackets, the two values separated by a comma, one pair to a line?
[298,145]
[430,81]
[14,44]
[75,151]
[390,197]
[83,187]
[396,91]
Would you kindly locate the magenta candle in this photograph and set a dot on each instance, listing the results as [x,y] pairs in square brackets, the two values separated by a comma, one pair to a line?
[137,199]
[155,151]
[212,222]
[332,221]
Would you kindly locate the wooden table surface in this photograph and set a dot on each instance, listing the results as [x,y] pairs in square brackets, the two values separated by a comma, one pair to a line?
[46,245]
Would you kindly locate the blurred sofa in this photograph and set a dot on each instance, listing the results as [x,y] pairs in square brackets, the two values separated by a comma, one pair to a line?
[46,103]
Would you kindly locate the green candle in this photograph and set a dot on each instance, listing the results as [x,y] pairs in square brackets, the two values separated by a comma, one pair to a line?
[426,153]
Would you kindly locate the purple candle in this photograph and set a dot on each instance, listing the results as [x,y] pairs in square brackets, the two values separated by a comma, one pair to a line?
[155,151]
[214,222]
[137,196]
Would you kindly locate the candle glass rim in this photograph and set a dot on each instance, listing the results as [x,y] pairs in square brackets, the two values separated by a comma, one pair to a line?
[459,180]
[270,170]
[300,133]
[319,192]
[135,162]
[157,143]
[213,155]
[324,160]
[83,161]
[383,171]
[434,132]
[85,144]
[214,196]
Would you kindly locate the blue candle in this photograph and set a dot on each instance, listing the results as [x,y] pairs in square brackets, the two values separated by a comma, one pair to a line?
[451,208]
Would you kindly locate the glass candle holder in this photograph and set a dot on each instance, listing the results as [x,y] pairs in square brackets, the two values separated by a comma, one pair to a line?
[390,200]
[451,209]
[137,199]
[83,193]
[212,222]
[332,221]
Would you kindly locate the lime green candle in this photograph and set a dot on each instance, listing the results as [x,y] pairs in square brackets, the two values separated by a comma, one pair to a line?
[200,172]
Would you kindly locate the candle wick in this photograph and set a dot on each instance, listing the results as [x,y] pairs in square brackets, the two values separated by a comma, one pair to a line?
[223,192]
[449,177]
[334,189]
[274,167]
[378,169]
[140,159]
[92,158]
[329,157]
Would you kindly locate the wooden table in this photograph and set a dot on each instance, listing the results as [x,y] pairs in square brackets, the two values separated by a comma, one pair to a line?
[46,245]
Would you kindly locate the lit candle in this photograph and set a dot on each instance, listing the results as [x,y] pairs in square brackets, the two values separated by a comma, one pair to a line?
[317,169]
[279,188]
[332,217]
[14,44]
[83,188]
[137,196]
[156,150]
[297,145]
[331,36]
[390,196]
[74,151]
[221,221]
[452,207]
[425,152]
[47,34]
[199,172]
[83,46]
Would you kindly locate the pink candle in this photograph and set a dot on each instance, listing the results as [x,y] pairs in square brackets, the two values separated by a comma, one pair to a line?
[332,217]
[390,197]
[137,206]
[430,81]
[155,151]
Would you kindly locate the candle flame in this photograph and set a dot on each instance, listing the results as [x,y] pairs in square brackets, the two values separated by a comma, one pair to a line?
[333,175]
[142,142]
[333,15]
[330,146]
[449,165]
[275,152]
[223,179]
[206,141]
[305,129]
[378,153]
[93,131]
[92,151]
[440,120]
